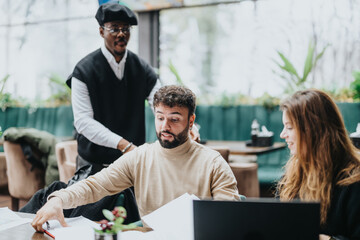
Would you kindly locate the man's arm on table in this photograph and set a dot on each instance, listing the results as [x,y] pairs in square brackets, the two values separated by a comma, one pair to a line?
[109,181]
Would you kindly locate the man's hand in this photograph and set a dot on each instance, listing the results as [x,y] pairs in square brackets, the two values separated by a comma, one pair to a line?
[122,145]
[194,133]
[51,210]
[131,148]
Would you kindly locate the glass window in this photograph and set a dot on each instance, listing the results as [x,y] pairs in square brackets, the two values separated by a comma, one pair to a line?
[232,48]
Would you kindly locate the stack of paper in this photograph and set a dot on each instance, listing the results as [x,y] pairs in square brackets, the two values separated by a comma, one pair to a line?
[79,228]
[9,219]
[174,220]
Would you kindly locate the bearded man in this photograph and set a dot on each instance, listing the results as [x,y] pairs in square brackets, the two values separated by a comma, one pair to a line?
[160,171]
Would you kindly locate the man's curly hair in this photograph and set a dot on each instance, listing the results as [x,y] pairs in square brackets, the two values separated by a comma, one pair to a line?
[173,95]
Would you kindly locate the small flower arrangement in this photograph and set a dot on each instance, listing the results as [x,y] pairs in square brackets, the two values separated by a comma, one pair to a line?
[114,222]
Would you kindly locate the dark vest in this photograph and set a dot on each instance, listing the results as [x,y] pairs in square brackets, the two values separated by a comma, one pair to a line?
[118,105]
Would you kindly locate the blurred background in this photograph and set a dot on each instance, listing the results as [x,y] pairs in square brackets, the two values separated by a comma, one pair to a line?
[240,57]
[228,52]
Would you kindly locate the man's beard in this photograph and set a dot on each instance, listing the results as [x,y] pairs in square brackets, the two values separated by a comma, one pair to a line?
[178,139]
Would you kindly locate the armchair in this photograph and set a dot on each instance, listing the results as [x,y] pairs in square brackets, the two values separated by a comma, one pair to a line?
[3,175]
[23,180]
[66,153]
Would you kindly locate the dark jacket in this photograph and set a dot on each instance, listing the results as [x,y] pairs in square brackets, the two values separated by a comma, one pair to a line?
[344,214]
[43,142]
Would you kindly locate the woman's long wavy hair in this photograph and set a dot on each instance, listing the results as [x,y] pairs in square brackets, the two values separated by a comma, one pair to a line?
[325,156]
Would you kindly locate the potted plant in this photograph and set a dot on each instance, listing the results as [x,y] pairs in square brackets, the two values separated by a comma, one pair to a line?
[112,226]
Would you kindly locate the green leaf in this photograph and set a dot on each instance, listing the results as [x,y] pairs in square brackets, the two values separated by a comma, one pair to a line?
[119,221]
[308,62]
[3,81]
[115,228]
[313,62]
[320,54]
[129,226]
[175,72]
[108,214]
[98,231]
[288,66]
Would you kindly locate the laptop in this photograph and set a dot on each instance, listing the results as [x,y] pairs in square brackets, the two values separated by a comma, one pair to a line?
[256,219]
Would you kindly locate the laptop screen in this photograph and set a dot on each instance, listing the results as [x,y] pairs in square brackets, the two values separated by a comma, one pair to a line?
[256,219]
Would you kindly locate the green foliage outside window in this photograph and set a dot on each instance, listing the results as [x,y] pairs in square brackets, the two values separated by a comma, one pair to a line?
[61,95]
[355,85]
[6,99]
[61,92]
[295,81]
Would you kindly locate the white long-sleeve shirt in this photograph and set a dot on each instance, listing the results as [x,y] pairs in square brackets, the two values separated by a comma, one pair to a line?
[84,121]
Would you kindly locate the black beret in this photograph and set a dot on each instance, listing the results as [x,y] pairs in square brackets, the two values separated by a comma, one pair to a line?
[109,12]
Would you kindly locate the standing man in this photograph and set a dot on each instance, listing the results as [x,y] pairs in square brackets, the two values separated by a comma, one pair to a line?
[160,172]
[109,87]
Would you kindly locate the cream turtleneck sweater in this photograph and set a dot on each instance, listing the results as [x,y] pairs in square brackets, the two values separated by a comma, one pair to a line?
[158,175]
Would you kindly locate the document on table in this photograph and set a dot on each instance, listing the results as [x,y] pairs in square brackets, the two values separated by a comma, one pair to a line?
[79,228]
[9,219]
[175,219]
[86,232]
[137,235]
[72,222]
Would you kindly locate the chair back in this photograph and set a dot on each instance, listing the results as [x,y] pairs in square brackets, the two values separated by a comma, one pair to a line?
[3,175]
[66,153]
[23,181]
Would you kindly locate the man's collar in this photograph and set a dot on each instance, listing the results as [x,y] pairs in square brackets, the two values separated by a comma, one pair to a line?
[177,151]
[109,57]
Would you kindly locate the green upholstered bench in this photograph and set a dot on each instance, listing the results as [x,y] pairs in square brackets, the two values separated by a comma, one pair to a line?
[57,121]
[217,123]
[234,122]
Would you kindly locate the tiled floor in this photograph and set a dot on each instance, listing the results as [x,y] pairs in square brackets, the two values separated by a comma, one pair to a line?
[5,200]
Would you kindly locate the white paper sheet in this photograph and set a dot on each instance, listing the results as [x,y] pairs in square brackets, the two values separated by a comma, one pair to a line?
[9,219]
[175,219]
[75,232]
[72,222]
[86,232]
[136,235]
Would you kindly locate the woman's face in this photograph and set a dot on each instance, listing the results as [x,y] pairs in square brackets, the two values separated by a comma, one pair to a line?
[288,133]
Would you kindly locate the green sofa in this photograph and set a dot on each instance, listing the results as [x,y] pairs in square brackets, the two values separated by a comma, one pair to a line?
[217,123]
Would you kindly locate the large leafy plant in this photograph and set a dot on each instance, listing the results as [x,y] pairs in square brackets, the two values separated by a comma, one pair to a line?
[294,80]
